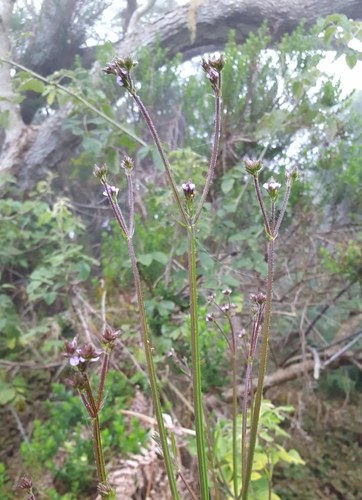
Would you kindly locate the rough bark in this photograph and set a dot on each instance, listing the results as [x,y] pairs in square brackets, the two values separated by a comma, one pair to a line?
[15,122]
[214,20]
[39,149]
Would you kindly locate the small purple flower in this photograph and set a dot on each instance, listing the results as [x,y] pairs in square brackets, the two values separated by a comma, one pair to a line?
[189,189]
[210,317]
[272,187]
[258,298]
[226,291]
[114,191]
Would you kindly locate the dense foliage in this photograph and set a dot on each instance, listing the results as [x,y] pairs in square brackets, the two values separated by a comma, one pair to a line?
[62,263]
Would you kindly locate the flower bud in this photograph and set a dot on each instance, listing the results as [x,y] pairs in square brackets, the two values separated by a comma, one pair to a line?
[291,176]
[127,164]
[258,298]
[253,167]
[100,172]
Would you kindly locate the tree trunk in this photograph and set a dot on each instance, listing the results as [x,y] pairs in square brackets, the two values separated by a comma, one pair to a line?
[43,147]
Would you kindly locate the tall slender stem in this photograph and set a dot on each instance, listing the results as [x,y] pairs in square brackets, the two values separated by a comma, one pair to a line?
[163,156]
[152,374]
[98,452]
[235,422]
[196,370]
[102,380]
[262,369]
[215,147]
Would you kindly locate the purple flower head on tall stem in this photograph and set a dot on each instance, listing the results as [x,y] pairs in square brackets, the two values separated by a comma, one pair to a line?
[189,189]
[81,357]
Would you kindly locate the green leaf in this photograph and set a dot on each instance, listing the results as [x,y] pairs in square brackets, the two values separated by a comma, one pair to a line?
[297,90]
[156,158]
[145,259]
[50,297]
[227,185]
[112,161]
[34,85]
[160,257]
[7,393]
[51,96]
[228,280]
[351,60]
[142,152]
[84,270]
[107,110]
[328,34]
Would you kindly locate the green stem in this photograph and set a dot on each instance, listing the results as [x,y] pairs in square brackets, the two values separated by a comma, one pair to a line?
[196,370]
[101,472]
[235,421]
[152,374]
[262,369]
[76,96]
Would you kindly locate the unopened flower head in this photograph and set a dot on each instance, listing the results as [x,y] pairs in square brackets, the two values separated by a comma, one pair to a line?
[121,67]
[109,338]
[212,68]
[291,176]
[100,172]
[127,164]
[258,298]
[253,167]
[272,186]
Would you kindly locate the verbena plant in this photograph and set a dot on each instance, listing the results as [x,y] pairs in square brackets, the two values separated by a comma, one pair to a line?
[241,345]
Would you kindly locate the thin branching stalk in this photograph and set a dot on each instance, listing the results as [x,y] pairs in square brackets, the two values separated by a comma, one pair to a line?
[182,477]
[152,374]
[262,206]
[163,156]
[196,369]
[98,452]
[247,389]
[235,422]
[215,147]
[97,444]
[102,380]
[262,369]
